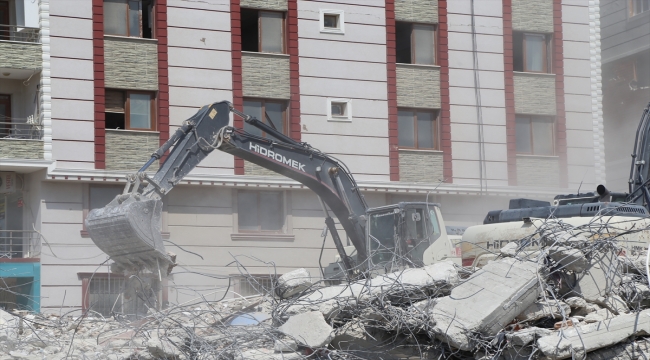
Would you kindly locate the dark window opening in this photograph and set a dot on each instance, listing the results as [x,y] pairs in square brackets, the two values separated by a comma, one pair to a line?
[129,18]
[535,135]
[415,43]
[331,21]
[417,129]
[260,211]
[276,110]
[532,52]
[130,110]
[262,31]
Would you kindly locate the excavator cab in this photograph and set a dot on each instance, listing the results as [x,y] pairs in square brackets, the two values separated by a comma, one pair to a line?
[402,235]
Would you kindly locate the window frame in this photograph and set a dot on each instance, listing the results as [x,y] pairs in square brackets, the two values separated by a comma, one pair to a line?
[412,46]
[286,235]
[435,127]
[285,112]
[242,282]
[7,124]
[86,277]
[152,21]
[532,118]
[340,14]
[283,36]
[348,109]
[547,52]
[153,125]
[259,230]
[632,8]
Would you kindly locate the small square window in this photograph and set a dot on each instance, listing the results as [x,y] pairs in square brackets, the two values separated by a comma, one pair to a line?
[331,21]
[339,109]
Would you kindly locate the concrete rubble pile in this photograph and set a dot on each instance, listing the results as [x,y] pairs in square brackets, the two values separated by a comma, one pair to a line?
[582,294]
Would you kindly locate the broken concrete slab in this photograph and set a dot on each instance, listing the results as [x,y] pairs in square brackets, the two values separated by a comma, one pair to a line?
[526,336]
[488,300]
[545,308]
[600,315]
[577,341]
[639,349]
[267,354]
[292,283]
[600,277]
[569,259]
[308,329]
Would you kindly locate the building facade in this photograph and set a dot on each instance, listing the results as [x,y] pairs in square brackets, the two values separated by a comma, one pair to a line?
[465,103]
[625,30]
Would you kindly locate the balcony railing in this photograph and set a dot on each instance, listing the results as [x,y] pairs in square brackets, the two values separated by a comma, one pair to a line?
[30,129]
[19,244]
[19,33]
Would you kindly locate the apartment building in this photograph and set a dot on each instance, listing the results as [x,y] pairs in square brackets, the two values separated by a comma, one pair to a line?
[467,103]
[625,30]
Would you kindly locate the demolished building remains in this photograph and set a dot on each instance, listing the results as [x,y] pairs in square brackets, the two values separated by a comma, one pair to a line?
[580,295]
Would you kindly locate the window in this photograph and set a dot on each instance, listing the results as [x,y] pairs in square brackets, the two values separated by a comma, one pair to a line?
[101,195]
[339,109]
[262,31]
[128,18]
[260,211]
[130,110]
[535,135]
[111,293]
[332,21]
[415,43]
[5,31]
[5,115]
[637,7]
[532,52]
[417,129]
[276,111]
[254,284]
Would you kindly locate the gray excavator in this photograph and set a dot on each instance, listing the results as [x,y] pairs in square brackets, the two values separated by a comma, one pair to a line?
[408,234]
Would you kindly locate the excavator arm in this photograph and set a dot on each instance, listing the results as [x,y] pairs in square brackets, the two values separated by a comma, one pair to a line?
[128,228]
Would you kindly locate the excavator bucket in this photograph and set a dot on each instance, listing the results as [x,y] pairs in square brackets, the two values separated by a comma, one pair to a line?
[128,230]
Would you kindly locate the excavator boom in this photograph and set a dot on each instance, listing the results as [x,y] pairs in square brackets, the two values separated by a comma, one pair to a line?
[128,228]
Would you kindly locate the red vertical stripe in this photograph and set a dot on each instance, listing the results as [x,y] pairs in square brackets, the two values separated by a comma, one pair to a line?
[560,116]
[508,58]
[445,114]
[393,150]
[292,31]
[237,86]
[98,68]
[163,79]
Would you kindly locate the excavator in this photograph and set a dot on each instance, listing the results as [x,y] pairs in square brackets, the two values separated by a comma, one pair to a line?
[408,234]
[626,215]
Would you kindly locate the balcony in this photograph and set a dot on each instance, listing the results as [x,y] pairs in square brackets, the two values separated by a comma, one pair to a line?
[19,245]
[20,51]
[20,139]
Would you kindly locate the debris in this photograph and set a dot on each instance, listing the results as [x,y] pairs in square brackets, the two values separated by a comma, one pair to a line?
[577,341]
[569,259]
[308,329]
[545,308]
[293,283]
[491,298]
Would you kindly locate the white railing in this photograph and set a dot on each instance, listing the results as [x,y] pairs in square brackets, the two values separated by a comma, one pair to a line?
[19,244]
[19,33]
